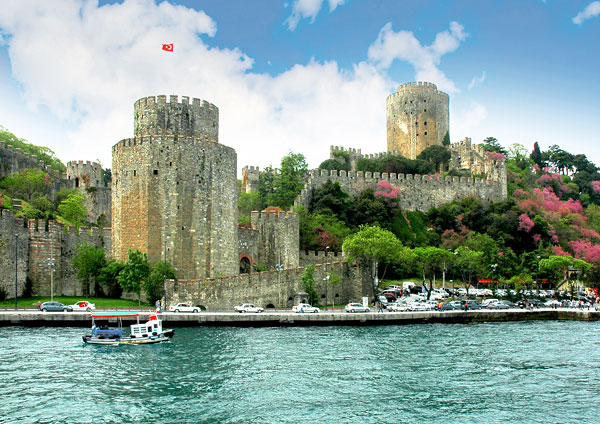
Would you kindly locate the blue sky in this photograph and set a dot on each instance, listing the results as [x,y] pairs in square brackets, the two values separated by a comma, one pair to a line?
[300,75]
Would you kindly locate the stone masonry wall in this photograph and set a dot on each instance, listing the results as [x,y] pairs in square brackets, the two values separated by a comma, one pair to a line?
[9,227]
[278,237]
[263,288]
[310,257]
[417,117]
[418,192]
[38,242]
[178,190]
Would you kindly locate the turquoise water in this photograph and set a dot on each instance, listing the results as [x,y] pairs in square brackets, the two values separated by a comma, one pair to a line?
[524,372]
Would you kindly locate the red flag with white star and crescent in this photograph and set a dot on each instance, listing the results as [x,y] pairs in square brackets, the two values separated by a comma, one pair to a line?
[167,47]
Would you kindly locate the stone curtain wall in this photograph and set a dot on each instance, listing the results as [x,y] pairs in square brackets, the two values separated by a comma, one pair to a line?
[278,234]
[417,117]
[311,257]
[248,244]
[263,288]
[39,241]
[418,192]
[9,226]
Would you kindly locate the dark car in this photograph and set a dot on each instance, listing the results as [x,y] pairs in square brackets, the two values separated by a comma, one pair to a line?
[509,303]
[472,304]
[55,307]
[450,306]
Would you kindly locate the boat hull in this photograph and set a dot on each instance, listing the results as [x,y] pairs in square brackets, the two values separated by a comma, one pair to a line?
[126,340]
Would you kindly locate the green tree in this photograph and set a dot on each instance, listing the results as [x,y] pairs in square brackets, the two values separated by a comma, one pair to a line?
[536,156]
[89,262]
[135,272]
[437,155]
[154,285]
[108,278]
[308,283]
[289,182]
[446,139]
[73,209]
[431,259]
[491,144]
[468,262]
[247,203]
[334,164]
[558,267]
[27,183]
[370,247]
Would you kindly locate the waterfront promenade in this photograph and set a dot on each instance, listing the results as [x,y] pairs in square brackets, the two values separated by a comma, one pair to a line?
[285,318]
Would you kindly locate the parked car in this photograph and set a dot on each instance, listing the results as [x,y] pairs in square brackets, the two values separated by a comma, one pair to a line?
[398,306]
[510,304]
[356,307]
[486,302]
[450,306]
[497,305]
[526,303]
[248,307]
[184,307]
[83,305]
[55,307]
[472,304]
[306,308]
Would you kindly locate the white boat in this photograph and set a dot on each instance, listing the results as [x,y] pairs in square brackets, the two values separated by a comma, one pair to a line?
[147,333]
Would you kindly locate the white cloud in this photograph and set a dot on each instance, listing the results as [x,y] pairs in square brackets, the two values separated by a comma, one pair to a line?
[591,10]
[477,80]
[471,119]
[68,59]
[403,45]
[308,9]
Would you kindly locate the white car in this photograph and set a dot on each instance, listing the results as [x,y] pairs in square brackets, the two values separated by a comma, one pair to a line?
[83,305]
[306,308]
[399,306]
[248,307]
[184,307]
[356,307]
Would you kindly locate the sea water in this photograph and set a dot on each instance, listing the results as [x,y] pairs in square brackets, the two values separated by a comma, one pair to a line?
[519,372]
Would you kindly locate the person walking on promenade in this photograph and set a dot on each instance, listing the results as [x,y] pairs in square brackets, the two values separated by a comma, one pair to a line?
[380,309]
[531,306]
[466,305]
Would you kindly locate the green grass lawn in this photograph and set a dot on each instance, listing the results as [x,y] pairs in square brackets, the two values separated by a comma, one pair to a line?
[100,302]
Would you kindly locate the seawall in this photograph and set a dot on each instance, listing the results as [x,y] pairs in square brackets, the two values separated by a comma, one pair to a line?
[283,319]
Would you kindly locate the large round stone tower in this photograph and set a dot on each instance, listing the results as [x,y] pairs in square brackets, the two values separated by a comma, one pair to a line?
[174,190]
[417,117]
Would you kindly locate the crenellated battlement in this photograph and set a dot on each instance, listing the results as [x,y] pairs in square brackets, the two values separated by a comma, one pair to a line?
[174,99]
[14,160]
[156,115]
[416,88]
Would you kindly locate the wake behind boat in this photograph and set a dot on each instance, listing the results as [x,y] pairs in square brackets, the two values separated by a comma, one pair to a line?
[148,333]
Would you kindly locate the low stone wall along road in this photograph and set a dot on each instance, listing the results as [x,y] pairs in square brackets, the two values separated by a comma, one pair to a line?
[24,317]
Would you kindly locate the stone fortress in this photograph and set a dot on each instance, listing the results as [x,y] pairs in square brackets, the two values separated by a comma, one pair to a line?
[174,196]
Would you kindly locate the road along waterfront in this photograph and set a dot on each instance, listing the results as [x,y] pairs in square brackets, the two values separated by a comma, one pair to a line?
[512,372]
[286,318]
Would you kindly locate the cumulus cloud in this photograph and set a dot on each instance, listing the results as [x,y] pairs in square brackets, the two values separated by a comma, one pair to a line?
[590,11]
[403,45]
[476,114]
[308,9]
[68,58]
[477,80]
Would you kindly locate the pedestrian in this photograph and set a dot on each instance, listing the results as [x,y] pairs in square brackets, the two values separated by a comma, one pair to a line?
[466,305]
[531,306]
[158,311]
[380,307]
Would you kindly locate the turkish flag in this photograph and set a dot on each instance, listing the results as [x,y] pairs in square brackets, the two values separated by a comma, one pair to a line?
[167,47]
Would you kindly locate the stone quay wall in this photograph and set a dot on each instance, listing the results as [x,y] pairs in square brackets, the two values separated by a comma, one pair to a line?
[268,289]
[39,241]
[417,117]
[418,192]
